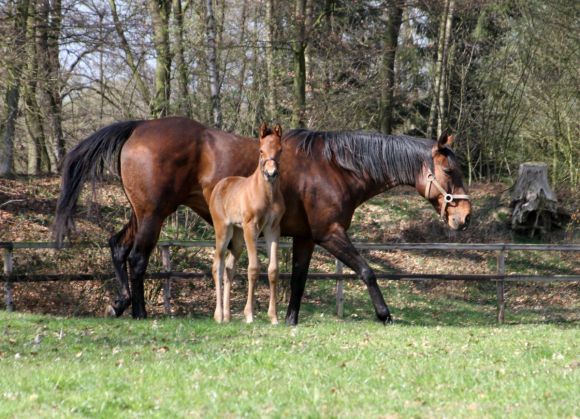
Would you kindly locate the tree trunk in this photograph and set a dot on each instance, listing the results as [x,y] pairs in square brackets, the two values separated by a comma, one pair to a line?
[160,11]
[442,45]
[299,48]
[49,35]
[394,20]
[242,78]
[38,160]
[14,70]
[210,32]
[441,115]
[129,57]
[534,204]
[270,35]
[183,100]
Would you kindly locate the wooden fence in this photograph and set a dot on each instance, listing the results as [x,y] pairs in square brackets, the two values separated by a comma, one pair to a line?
[500,277]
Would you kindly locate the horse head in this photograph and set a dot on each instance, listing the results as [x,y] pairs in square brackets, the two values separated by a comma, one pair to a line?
[270,150]
[442,185]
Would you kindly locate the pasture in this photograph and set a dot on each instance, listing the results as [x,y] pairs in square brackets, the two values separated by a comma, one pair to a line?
[442,357]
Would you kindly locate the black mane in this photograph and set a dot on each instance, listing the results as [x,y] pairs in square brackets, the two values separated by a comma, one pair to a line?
[382,157]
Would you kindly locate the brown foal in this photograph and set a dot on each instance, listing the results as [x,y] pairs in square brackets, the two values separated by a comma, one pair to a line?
[249,206]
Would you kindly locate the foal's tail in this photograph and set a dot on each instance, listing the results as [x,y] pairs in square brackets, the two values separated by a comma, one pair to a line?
[88,161]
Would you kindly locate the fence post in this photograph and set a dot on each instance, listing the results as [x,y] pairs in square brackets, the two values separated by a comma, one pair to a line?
[339,290]
[166,261]
[8,265]
[500,287]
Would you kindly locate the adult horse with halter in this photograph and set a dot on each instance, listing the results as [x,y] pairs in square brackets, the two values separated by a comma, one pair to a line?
[241,208]
[169,162]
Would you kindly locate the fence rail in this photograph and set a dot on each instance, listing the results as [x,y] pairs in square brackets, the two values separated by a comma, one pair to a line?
[500,277]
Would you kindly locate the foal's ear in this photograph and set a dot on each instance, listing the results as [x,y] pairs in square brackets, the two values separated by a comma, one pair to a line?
[263,129]
[278,130]
[445,139]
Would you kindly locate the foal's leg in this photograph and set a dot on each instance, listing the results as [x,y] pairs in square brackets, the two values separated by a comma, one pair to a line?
[145,240]
[338,243]
[223,234]
[121,244]
[236,247]
[272,236]
[251,236]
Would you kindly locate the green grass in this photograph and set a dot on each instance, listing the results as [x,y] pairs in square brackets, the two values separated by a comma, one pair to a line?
[443,357]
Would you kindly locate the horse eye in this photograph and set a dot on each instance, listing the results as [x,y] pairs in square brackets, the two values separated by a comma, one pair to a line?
[447,171]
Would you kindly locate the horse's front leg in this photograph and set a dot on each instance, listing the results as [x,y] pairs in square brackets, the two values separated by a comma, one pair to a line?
[301,254]
[272,236]
[222,237]
[251,236]
[337,242]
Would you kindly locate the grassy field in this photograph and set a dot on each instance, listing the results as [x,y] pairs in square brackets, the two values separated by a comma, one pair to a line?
[445,356]
[442,357]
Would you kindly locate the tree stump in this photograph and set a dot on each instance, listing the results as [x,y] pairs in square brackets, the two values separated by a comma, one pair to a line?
[534,205]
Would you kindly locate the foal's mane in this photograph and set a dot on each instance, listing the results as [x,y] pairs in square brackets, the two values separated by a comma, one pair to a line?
[382,157]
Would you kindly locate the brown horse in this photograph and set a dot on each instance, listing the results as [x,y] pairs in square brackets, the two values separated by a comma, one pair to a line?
[169,162]
[244,207]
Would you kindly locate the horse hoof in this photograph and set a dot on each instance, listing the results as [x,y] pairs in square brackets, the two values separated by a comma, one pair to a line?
[110,311]
[249,320]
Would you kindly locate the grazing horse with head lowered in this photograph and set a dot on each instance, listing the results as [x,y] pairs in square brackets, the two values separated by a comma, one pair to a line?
[241,208]
[324,176]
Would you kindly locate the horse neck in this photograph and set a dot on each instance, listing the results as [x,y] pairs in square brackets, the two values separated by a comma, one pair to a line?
[367,187]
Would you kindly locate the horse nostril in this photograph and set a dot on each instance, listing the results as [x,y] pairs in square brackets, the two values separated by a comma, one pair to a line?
[467,220]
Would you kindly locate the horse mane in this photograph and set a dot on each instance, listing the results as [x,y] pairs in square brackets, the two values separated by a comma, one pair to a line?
[381,157]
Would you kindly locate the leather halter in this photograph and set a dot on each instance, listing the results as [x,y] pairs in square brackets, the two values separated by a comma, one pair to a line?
[447,197]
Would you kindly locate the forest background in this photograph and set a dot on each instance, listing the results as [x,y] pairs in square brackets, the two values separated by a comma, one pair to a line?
[503,75]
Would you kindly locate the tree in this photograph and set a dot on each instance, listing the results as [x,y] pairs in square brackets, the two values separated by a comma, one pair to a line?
[394,19]
[160,12]
[38,160]
[181,67]
[438,94]
[18,13]
[49,61]
[299,45]
[212,65]
[269,38]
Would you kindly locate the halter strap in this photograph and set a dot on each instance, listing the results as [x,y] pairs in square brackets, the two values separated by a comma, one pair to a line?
[447,197]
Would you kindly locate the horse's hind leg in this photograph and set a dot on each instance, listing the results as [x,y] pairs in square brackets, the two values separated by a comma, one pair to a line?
[145,241]
[235,250]
[121,244]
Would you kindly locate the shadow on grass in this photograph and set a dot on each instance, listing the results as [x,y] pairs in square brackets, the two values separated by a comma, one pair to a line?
[412,307]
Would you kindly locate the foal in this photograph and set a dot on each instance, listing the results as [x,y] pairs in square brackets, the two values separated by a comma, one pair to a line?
[249,206]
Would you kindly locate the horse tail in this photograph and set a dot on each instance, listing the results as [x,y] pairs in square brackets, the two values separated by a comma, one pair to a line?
[88,160]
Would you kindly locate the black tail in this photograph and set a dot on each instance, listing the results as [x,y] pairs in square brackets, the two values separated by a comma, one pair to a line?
[88,161]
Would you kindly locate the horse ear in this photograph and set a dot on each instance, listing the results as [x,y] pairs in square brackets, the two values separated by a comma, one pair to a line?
[263,129]
[445,139]
[278,130]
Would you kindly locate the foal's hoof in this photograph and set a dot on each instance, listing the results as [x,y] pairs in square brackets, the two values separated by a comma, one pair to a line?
[110,311]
